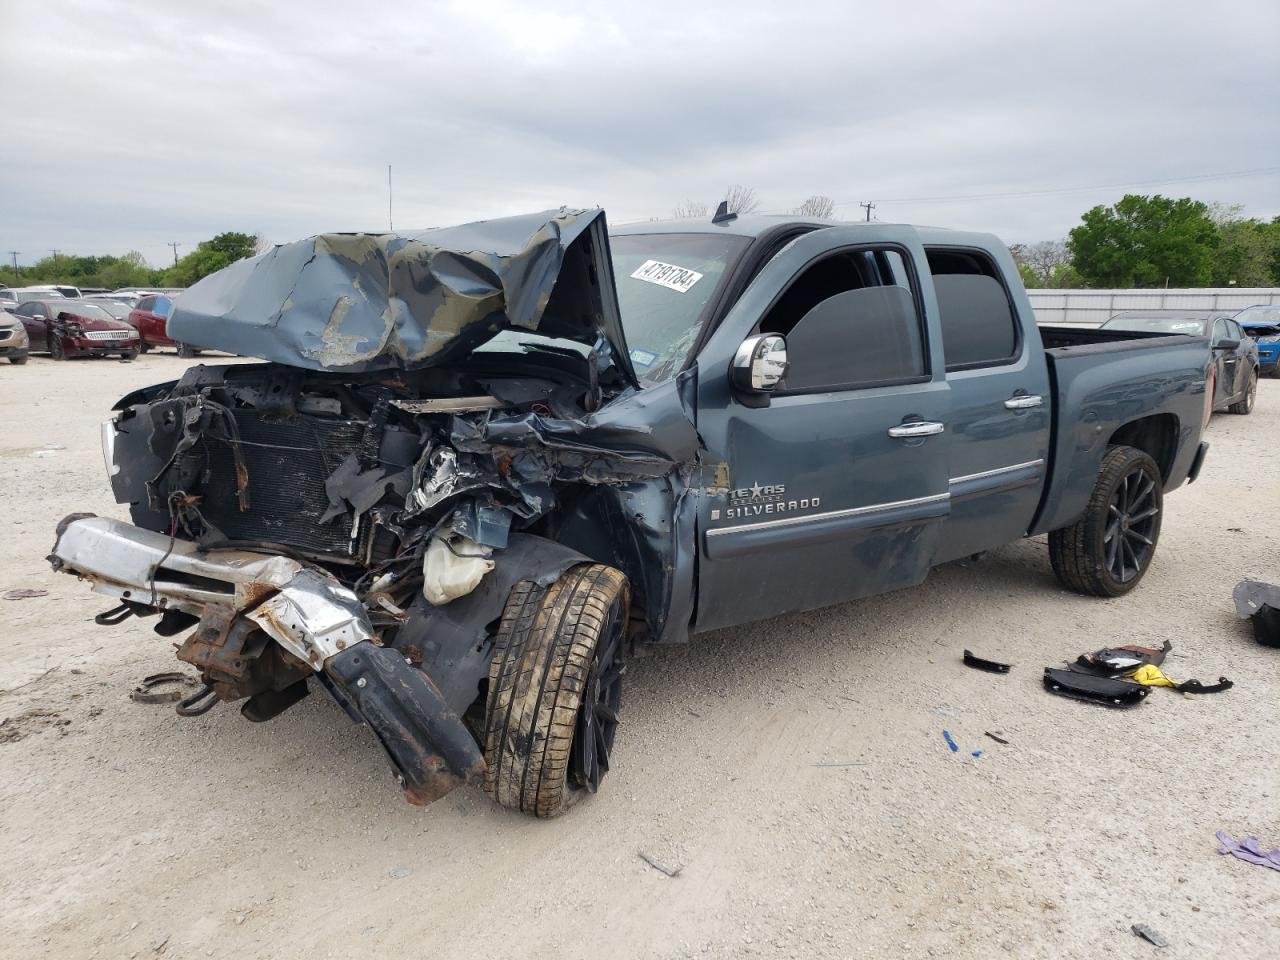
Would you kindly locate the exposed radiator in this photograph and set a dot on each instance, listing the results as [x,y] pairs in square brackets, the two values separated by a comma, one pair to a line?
[287,465]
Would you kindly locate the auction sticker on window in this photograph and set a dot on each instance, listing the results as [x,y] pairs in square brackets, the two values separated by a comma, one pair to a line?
[668,275]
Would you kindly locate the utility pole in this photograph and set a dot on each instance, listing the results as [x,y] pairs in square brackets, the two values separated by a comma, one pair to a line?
[55,254]
[868,207]
[14,254]
[175,252]
[391,226]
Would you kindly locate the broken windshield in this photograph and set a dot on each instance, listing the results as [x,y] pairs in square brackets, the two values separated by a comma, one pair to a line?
[665,282]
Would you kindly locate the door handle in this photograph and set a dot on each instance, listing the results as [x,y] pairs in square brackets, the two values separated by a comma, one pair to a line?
[916,428]
[1023,402]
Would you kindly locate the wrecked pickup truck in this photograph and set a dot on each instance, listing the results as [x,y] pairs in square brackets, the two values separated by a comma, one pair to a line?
[483,465]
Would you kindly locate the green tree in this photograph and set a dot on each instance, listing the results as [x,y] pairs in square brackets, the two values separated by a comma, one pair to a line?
[210,256]
[1145,242]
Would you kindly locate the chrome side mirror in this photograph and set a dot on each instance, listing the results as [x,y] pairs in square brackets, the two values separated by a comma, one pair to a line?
[759,364]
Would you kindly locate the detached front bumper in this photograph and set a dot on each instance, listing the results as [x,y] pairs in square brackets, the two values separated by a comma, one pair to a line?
[303,609]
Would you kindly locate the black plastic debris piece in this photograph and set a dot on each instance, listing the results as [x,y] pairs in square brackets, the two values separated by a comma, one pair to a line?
[1095,689]
[979,663]
[1196,686]
[1151,936]
[1260,603]
[1119,661]
[988,733]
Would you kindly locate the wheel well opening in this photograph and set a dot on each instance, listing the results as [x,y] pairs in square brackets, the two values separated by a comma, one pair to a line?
[1156,436]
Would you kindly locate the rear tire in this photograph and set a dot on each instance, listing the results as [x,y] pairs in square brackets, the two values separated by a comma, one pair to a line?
[554,686]
[1109,549]
[1245,404]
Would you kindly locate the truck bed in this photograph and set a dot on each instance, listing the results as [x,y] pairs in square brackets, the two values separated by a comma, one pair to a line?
[1103,380]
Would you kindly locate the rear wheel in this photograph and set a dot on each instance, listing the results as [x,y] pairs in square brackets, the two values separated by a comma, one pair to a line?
[1245,403]
[555,684]
[1108,551]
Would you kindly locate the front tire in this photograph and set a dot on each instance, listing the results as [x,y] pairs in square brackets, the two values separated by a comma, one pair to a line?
[18,358]
[1109,549]
[56,352]
[1245,404]
[554,687]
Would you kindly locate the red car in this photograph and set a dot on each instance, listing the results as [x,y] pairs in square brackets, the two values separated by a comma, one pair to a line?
[75,328]
[151,318]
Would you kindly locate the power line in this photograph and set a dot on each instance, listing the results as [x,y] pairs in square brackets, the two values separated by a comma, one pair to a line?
[1049,191]
[1053,191]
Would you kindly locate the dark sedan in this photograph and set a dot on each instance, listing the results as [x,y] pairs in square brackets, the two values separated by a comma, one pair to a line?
[76,328]
[1233,359]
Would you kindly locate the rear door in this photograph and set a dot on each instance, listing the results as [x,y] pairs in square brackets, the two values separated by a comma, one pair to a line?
[837,488]
[1000,404]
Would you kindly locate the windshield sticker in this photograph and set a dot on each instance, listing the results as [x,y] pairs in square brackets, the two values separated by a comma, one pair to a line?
[1185,326]
[668,275]
[643,358]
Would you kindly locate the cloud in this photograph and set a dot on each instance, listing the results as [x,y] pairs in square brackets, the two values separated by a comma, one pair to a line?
[133,124]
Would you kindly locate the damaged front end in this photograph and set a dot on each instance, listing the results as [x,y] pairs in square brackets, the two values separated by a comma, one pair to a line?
[356,514]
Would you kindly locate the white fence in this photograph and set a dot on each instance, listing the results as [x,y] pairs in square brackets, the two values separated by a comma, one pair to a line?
[1091,307]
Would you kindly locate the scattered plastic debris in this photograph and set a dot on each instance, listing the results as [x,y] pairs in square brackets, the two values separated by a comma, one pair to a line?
[1094,689]
[399,873]
[975,753]
[23,593]
[946,735]
[1260,603]
[1150,675]
[1248,850]
[1151,936]
[988,733]
[980,663]
[659,865]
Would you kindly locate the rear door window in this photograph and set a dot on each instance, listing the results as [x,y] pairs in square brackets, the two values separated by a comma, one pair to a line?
[146,303]
[979,325]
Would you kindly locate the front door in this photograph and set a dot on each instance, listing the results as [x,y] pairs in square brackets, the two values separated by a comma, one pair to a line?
[836,488]
[1228,362]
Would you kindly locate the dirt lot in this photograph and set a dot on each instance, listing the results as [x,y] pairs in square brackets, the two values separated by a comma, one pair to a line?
[127,831]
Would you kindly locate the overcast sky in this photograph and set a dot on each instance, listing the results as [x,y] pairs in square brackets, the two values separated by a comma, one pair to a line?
[127,124]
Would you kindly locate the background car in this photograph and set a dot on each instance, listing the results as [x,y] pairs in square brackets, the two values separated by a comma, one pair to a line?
[13,297]
[116,308]
[1233,356]
[1262,324]
[14,342]
[151,317]
[76,328]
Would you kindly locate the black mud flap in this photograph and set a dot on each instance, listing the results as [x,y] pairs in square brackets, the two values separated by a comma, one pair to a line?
[428,743]
[1086,686]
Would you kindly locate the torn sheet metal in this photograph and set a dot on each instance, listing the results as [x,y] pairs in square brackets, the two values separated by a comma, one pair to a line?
[359,302]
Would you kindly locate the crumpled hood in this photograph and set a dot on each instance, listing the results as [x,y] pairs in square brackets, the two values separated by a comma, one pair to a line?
[358,302]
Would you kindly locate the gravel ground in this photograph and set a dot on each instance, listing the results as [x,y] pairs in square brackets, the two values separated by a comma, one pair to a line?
[126,831]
